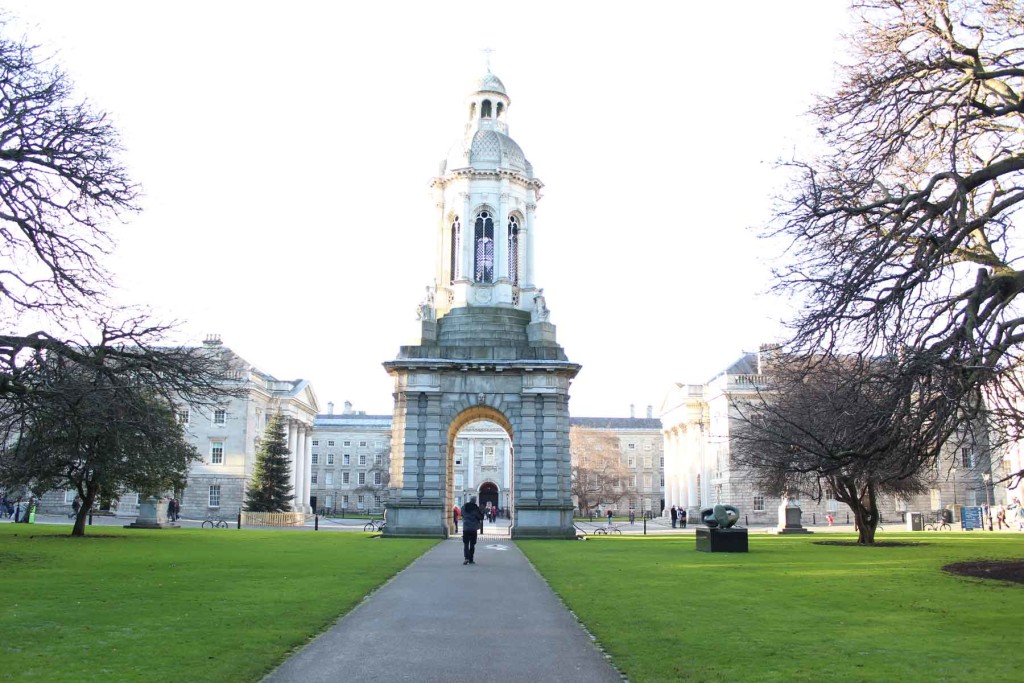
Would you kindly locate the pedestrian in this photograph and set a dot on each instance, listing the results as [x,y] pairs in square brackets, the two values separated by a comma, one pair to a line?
[17,510]
[455,517]
[172,510]
[494,514]
[675,516]
[1001,519]
[472,521]
[76,505]
[609,513]
[632,516]
[682,517]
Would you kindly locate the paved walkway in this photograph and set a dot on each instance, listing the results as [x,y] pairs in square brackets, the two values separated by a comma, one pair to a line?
[440,620]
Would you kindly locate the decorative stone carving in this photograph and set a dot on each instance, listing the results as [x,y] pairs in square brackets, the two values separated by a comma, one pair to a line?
[540,313]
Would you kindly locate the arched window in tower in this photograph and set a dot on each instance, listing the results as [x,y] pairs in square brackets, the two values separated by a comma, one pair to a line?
[472,111]
[485,109]
[483,251]
[500,110]
[513,249]
[456,268]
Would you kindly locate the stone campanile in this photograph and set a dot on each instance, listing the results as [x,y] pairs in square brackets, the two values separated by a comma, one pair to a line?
[487,348]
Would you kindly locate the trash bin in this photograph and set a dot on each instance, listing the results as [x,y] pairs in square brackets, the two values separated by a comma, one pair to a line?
[947,516]
[915,521]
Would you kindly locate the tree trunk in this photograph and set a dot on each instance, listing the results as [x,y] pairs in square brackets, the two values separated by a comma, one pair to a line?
[83,512]
[865,512]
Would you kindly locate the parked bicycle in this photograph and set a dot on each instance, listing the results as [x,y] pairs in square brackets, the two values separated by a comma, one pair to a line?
[214,523]
[375,525]
[938,525]
[608,530]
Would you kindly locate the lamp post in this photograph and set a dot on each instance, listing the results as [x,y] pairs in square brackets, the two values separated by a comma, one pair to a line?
[988,499]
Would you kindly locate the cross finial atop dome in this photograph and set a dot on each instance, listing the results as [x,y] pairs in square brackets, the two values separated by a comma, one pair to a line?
[487,57]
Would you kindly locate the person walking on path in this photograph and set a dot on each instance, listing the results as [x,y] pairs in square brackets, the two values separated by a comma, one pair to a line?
[76,505]
[682,517]
[455,517]
[472,521]
[675,515]
[609,516]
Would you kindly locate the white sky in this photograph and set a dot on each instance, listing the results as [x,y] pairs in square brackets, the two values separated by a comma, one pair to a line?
[285,151]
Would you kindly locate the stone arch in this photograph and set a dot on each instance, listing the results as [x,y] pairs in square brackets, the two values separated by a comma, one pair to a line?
[465,413]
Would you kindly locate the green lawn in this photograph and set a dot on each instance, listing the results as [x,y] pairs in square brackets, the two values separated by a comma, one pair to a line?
[790,610]
[176,605]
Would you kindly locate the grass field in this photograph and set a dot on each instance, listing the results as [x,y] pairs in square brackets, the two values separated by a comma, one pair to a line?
[176,605]
[790,610]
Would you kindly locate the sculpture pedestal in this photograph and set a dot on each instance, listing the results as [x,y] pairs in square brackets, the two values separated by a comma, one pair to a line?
[792,515]
[713,540]
[152,515]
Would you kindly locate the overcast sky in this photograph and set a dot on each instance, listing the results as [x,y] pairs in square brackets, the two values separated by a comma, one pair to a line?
[285,150]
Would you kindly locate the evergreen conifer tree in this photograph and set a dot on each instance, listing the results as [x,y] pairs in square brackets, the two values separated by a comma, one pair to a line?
[270,486]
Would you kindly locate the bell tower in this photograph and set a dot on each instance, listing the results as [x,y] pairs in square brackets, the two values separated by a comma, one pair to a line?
[487,349]
[486,196]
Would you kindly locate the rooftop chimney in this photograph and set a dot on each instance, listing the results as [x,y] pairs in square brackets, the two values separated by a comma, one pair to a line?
[650,412]
[330,407]
[348,408]
[632,410]
[212,340]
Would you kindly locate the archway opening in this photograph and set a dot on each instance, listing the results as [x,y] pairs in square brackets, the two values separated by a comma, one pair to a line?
[480,465]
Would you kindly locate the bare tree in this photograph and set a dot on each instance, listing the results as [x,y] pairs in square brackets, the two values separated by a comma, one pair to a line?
[849,428]
[598,475]
[902,236]
[69,363]
[60,181]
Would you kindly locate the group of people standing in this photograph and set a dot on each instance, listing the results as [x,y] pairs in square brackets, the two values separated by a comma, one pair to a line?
[19,510]
[678,516]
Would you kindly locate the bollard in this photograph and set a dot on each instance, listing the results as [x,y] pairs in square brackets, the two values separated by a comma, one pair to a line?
[239,521]
[814,519]
[90,519]
[847,517]
[645,526]
[316,522]
[746,521]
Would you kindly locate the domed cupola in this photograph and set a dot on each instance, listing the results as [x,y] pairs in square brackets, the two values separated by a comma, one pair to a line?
[486,194]
[485,143]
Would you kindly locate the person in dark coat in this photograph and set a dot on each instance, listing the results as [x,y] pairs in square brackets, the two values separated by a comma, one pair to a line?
[682,517]
[674,513]
[472,521]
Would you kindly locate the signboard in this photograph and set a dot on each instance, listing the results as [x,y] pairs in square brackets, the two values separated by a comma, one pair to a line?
[972,518]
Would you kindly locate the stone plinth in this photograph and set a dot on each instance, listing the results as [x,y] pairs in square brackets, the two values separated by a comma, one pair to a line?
[152,515]
[732,540]
[791,514]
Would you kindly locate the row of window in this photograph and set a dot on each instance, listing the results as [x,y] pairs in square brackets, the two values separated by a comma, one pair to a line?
[346,478]
[362,444]
[219,417]
[360,501]
[346,459]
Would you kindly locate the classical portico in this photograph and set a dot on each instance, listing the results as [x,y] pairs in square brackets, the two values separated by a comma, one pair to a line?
[487,348]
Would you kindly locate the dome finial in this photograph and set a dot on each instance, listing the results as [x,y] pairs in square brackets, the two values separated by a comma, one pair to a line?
[487,56]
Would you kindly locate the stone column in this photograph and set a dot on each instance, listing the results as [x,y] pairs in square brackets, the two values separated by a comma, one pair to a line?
[292,438]
[301,501]
[501,268]
[308,451]
[470,471]
[468,239]
[526,244]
